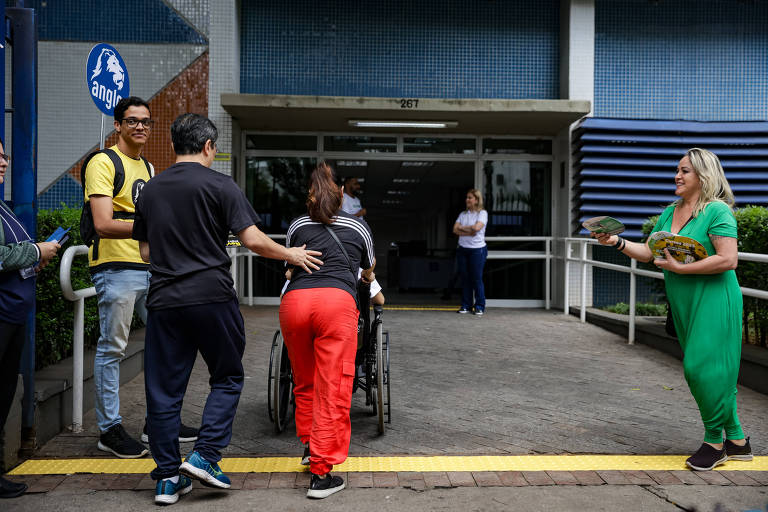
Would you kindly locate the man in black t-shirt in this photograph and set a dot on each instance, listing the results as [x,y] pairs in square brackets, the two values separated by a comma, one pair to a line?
[183,218]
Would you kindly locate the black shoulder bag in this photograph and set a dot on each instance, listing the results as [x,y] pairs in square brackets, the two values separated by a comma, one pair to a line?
[346,256]
[360,319]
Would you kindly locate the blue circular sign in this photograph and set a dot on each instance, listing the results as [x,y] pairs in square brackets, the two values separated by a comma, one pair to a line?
[107,77]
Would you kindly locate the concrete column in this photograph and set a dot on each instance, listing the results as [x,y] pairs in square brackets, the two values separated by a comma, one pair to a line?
[577,50]
[577,82]
[224,75]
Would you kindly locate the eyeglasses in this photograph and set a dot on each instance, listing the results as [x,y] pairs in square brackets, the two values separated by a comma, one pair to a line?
[132,122]
[5,157]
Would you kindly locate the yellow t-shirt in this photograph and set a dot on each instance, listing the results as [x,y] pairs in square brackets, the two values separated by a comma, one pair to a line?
[99,180]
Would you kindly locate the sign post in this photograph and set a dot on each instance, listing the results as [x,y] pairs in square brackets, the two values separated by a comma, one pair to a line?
[106,77]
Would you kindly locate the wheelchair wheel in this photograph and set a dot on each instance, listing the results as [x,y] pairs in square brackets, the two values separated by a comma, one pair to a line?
[387,404]
[379,375]
[280,389]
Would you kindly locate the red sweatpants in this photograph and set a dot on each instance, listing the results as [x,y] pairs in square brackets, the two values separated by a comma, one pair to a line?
[319,326]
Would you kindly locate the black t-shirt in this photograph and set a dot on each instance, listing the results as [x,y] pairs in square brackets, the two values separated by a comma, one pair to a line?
[335,272]
[186,214]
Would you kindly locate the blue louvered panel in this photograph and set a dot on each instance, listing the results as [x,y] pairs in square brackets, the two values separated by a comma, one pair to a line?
[625,168]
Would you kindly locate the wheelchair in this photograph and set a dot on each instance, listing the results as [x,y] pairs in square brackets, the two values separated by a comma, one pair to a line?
[372,355]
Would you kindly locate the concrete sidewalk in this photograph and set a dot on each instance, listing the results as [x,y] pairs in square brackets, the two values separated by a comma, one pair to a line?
[511,382]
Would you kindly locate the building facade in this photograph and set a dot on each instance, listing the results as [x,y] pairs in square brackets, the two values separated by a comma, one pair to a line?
[424,100]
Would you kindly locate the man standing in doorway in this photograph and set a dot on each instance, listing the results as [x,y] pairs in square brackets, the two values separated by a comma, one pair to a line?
[119,275]
[183,220]
[351,203]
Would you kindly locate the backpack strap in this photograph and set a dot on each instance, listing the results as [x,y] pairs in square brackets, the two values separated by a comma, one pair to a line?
[150,169]
[117,186]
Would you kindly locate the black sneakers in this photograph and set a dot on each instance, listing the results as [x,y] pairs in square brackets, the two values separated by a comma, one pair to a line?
[322,487]
[186,434]
[116,440]
[706,458]
[736,452]
[305,457]
[10,489]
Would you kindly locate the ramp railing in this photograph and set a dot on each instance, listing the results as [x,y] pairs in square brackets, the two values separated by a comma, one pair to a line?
[78,297]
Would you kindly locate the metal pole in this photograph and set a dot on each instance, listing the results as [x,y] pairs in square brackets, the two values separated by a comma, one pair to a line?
[24,191]
[632,300]
[250,278]
[77,366]
[566,284]
[583,313]
[547,272]
[101,135]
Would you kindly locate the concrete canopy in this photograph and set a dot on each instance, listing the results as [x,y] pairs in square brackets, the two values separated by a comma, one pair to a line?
[267,112]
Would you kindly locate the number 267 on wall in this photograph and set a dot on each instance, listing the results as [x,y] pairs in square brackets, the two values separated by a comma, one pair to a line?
[409,103]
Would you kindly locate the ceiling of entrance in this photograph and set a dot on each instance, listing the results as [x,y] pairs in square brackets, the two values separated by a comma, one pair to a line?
[472,116]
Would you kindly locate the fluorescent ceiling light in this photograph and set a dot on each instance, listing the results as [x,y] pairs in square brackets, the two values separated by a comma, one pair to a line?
[416,164]
[402,124]
[351,163]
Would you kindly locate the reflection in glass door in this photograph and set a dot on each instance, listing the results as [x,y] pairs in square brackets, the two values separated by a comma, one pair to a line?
[518,198]
[277,189]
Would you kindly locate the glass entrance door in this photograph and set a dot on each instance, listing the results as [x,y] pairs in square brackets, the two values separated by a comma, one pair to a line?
[413,188]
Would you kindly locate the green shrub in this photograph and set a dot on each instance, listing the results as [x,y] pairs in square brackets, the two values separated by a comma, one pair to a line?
[641,309]
[55,315]
[753,237]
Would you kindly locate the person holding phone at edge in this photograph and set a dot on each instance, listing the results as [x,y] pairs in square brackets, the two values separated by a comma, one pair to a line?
[20,259]
[706,301]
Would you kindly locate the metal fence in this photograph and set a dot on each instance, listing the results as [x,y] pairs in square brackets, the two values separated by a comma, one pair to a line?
[584,262]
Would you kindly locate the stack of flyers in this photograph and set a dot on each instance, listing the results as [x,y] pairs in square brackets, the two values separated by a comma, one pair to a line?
[682,248]
[604,224]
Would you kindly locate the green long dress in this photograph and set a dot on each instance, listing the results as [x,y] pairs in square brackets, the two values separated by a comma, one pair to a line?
[707,311]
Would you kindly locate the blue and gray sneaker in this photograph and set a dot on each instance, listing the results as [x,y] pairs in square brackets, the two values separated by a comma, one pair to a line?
[200,469]
[167,492]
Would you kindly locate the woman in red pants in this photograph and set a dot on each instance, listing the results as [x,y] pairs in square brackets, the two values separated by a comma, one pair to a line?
[318,319]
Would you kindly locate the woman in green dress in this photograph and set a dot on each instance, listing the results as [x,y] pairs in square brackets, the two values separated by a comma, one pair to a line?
[705,299]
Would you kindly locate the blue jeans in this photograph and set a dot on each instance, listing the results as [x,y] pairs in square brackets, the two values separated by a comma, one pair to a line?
[118,291]
[471,263]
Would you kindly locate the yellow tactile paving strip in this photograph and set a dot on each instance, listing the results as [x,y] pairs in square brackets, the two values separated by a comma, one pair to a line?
[420,308]
[419,464]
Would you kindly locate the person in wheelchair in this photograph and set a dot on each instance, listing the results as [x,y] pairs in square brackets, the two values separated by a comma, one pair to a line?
[318,320]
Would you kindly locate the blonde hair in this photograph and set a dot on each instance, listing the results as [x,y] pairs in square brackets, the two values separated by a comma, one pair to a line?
[478,196]
[714,186]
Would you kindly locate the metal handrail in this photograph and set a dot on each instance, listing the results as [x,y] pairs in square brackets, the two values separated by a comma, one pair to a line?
[78,297]
[633,272]
[546,255]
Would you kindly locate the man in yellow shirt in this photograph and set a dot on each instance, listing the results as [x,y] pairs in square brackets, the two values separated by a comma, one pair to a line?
[120,276]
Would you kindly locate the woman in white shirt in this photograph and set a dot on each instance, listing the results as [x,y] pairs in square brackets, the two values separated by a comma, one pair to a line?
[472,252]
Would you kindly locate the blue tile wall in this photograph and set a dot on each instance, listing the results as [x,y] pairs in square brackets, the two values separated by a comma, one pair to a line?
[397,48]
[65,190]
[700,60]
[113,21]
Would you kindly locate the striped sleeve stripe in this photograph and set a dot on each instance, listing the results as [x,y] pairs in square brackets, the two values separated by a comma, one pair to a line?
[356,226]
[301,221]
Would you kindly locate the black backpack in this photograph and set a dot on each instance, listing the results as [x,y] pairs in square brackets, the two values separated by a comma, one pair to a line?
[87,228]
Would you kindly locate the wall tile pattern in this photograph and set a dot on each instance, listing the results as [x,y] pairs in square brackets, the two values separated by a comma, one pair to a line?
[704,60]
[398,48]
